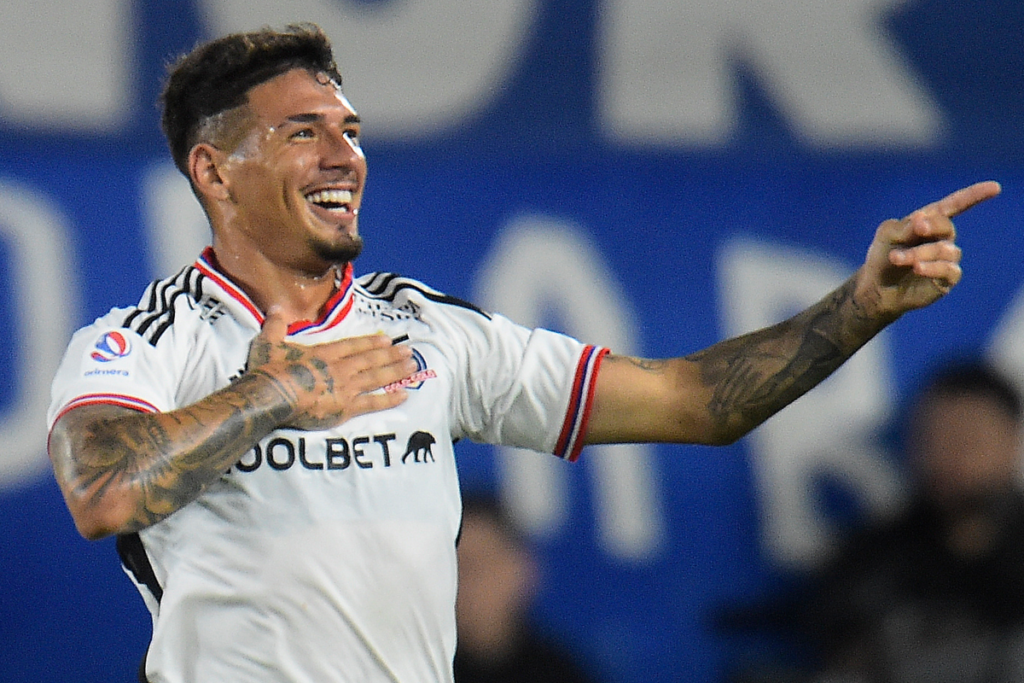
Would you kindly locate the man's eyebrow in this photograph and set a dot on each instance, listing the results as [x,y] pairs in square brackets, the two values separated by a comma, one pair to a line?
[304,118]
[315,118]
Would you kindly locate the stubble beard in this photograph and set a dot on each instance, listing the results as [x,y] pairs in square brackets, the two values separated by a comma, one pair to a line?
[337,253]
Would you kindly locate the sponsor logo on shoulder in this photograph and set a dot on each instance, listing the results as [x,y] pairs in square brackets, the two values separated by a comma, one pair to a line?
[111,346]
[416,379]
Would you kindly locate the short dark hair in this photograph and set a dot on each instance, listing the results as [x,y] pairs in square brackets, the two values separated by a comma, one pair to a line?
[217,76]
[973,377]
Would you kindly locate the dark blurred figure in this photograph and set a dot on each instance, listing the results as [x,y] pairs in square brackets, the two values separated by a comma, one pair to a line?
[497,580]
[936,594]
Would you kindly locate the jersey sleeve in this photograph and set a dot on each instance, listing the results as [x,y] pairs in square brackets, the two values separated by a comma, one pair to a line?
[108,364]
[525,388]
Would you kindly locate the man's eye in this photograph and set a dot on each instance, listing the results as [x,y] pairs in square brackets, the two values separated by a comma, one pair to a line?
[353,136]
[304,133]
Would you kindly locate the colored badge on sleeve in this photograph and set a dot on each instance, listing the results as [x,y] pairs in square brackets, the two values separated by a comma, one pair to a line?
[111,346]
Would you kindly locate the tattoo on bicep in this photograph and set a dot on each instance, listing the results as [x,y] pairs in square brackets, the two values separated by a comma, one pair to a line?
[137,451]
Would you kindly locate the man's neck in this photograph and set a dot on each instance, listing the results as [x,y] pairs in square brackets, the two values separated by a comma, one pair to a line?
[300,295]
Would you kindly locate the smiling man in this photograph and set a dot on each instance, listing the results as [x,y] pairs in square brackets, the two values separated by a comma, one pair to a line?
[270,437]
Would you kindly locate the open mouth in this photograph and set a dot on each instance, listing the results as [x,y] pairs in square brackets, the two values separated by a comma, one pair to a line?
[336,201]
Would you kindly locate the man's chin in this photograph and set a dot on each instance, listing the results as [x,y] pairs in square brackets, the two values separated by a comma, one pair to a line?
[340,253]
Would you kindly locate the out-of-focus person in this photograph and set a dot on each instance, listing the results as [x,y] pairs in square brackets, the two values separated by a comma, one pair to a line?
[936,594]
[498,578]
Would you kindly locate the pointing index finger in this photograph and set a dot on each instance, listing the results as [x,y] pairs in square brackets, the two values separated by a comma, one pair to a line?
[957,202]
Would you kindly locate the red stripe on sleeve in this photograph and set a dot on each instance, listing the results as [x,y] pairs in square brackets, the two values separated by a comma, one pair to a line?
[585,417]
[580,403]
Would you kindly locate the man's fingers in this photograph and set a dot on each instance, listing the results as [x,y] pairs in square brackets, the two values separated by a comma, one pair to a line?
[957,202]
[944,250]
[369,403]
[372,351]
[933,221]
[379,368]
[945,274]
[347,382]
[377,385]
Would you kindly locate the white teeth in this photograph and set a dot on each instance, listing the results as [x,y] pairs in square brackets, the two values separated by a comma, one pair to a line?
[330,197]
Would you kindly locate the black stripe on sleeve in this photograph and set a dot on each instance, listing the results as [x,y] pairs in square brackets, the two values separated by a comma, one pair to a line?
[386,286]
[156,312]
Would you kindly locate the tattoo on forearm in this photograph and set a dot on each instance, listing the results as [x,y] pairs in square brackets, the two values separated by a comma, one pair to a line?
[756,375]
[162,462]
[137,451]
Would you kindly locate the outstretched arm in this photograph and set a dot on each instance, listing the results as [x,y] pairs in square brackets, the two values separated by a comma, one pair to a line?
[122,470]
[717,395]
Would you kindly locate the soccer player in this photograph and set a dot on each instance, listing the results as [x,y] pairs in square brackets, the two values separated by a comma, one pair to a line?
[270,437]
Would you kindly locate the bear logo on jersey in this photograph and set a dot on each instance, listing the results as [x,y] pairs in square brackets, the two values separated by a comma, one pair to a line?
[419,444]
[111,346]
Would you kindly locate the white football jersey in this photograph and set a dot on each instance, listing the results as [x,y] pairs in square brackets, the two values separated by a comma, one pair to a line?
[322,556]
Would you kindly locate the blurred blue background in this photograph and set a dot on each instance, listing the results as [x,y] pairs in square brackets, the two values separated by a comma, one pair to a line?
[648,174]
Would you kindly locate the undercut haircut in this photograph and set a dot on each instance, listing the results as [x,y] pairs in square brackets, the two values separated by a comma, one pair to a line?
[217,76]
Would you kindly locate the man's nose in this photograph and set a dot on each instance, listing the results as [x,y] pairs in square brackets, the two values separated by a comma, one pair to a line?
[341,149]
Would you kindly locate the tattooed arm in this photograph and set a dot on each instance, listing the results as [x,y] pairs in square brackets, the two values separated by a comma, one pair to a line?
[121,470]
[717,395]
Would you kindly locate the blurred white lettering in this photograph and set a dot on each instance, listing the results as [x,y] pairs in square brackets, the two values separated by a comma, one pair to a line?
[66,65]
[176,226]
[410,67]
[540,265]
[45,293]
[666,71]
[1006,350]
[831,430]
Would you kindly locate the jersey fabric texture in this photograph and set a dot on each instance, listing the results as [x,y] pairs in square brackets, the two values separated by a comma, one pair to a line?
[322,556]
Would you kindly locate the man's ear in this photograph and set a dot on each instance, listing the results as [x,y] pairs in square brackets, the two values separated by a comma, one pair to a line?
[205,168]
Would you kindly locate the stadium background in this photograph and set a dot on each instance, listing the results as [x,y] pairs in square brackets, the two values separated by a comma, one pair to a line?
[647,174]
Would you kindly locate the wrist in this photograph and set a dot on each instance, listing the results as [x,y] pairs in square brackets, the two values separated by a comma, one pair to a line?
[267,394]
[868,304]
